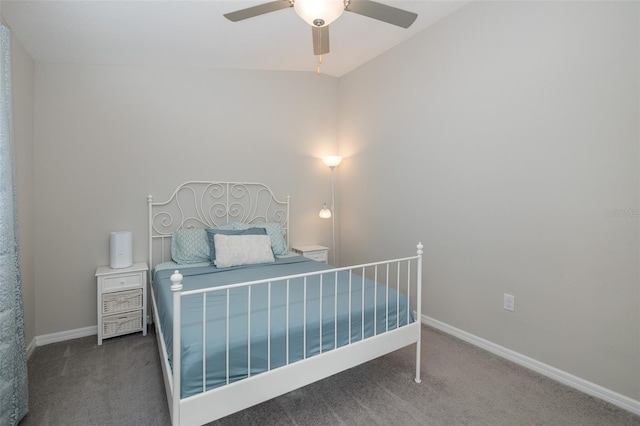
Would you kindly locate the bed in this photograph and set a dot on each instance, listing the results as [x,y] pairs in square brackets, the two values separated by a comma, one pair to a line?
[240,320]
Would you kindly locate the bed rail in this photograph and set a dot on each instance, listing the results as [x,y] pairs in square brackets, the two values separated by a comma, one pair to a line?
[391,278]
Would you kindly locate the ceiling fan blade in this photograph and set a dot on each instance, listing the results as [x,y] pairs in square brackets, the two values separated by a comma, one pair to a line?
[320,40]
[382,12]
[258,10]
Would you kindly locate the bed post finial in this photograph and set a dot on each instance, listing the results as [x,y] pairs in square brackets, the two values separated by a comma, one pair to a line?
[420,247]
[176,279]
[149,198]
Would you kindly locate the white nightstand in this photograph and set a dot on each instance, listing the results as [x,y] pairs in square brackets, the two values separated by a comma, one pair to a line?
[315,252]
[122,300]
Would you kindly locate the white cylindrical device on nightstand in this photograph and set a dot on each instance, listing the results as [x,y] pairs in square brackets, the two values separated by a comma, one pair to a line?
[121,249]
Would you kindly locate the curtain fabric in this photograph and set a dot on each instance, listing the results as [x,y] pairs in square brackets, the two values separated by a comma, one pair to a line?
[13,358]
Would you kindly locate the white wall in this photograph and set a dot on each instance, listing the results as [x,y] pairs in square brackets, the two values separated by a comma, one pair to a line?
[22,74]
[500,138]
[108,136]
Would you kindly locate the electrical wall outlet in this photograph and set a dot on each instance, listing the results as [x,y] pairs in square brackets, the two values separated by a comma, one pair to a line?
[509,302]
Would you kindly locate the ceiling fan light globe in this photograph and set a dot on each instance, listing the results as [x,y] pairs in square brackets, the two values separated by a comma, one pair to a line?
[312,11]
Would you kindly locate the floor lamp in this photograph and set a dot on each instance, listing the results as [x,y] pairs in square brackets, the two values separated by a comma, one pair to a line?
[325,213]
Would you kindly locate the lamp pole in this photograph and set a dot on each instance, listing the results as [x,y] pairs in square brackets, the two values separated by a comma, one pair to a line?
[332,161]
[333,218]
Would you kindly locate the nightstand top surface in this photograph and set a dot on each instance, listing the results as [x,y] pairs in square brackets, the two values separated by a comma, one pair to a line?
[136,267]
[312,247]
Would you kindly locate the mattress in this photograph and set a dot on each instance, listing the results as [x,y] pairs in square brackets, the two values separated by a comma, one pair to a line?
[260,339]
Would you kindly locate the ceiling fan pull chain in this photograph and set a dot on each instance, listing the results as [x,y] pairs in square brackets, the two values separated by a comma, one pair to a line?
[319,56]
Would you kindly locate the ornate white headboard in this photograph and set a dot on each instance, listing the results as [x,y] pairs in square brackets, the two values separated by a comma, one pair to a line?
[199,204]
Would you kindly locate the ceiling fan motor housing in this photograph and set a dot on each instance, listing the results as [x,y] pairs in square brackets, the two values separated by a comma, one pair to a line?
[319,13]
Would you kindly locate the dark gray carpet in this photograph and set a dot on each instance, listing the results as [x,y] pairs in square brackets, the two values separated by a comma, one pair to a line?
[120,383]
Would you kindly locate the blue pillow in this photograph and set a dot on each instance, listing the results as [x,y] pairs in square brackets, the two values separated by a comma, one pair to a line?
[213,231]
[189,246]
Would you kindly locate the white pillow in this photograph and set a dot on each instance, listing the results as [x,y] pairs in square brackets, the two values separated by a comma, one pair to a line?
[274,230]
[235,250]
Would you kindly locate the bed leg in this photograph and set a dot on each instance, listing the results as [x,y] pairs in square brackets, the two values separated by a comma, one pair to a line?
[417,378]
[419,313]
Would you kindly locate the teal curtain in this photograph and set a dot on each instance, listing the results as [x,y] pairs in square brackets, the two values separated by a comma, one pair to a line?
[14,396]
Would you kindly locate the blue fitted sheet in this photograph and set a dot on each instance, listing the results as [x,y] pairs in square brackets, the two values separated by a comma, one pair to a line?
[216,313]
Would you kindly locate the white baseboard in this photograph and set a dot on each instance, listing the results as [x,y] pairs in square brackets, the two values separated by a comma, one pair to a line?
[46,339]
[563,377]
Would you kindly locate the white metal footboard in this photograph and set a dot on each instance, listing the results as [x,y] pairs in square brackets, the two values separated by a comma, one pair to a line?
[397,276]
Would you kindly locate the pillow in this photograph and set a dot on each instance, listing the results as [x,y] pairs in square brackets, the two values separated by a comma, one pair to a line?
[274,230]
[190,246]
[211,232]
[236,250]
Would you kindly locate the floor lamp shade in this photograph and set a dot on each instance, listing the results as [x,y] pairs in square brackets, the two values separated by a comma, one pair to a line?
[325,212]
[121,248]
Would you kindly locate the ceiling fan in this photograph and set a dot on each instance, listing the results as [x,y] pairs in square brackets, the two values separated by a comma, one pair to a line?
[320,13]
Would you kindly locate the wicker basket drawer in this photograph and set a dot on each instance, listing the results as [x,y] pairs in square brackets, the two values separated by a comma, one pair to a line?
[114,325]
[121,301]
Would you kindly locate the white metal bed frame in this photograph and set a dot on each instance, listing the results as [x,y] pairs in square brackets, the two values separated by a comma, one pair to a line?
[210,204]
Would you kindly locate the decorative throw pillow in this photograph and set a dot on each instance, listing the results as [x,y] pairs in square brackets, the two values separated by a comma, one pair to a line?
[211,232]
[236,250]
[190,246]
[274,230]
